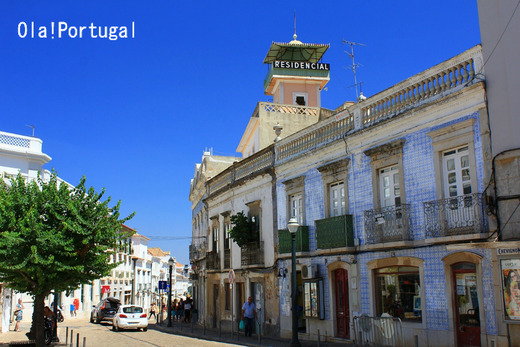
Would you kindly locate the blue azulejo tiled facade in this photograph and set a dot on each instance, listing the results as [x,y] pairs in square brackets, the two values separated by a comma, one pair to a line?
[438,148]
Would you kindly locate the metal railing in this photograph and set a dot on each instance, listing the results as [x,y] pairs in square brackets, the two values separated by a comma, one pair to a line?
[334,232]
[301,240]
[212,261]
[458,215]
[378,331]
[388,224]
[253,254]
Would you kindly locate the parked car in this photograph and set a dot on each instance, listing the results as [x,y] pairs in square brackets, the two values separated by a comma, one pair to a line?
[130,317]
[105,310]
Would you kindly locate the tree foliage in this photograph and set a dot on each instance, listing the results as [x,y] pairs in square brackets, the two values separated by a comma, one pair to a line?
[53,237]
[241,231]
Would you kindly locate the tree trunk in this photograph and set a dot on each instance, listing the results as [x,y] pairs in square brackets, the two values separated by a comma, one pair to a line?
[38,324]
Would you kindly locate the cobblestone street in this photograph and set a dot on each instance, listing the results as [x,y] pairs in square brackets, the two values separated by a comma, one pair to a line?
[103,335]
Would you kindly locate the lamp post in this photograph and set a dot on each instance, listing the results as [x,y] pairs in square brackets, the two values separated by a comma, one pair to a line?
[171,261]
[292,225]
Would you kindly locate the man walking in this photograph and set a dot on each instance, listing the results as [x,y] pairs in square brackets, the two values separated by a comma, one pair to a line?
[249,315]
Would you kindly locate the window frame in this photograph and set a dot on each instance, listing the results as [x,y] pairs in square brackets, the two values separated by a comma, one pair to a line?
[334,173]
[397,261]
[448,138]
[383,156]
[293,187]
[319,311]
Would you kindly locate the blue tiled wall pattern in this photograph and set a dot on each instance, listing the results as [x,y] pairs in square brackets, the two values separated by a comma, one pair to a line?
[435,301]
[418,177]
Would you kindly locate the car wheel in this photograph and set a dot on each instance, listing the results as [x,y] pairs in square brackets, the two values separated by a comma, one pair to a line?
[114,327]
[98,320]
[145,329]
[91,319]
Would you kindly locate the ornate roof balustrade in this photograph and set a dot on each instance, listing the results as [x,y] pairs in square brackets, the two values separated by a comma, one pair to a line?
[258,162]
[20,143]
[421,89]
[458,215]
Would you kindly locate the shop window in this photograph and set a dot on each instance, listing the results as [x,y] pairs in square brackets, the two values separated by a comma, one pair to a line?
[313,301]
[398,292]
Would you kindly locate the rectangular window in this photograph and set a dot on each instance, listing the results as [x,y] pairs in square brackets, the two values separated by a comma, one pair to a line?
[337,199]
[215,239]
[389,186]
[457,176]
[398,292]
[313,302]
[296,202]
[227,227]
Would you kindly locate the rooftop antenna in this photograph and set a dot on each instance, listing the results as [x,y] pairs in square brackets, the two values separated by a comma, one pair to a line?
[31,126]
[295,36]
[354,65]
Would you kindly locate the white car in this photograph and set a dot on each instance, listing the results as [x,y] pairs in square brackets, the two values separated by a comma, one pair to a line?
[130,317]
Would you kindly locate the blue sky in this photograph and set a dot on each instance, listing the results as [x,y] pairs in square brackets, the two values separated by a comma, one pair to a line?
[134,115]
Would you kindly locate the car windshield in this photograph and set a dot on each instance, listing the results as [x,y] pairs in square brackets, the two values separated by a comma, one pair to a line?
[133,309]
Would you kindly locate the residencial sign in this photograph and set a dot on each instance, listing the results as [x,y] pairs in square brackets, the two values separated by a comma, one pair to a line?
[283,64]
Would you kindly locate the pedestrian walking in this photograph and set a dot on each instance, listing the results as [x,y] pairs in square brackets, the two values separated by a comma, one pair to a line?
[152,311]
[180,310]
[18,314]
[249,315]
[187,310]
[72,310]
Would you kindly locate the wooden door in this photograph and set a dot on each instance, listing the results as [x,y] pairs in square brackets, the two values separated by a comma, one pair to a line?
[342,308]
[466,303]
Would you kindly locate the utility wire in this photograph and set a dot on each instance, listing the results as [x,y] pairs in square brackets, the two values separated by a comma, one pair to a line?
[501,35]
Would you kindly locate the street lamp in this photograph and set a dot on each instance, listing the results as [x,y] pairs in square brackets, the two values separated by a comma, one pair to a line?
[292,225]
[171,261]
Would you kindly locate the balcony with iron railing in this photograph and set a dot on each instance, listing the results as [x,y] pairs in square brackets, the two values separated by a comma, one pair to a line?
[253,254]
[334,232]
[212,261]
[301,240]
[461,215]
[388,224]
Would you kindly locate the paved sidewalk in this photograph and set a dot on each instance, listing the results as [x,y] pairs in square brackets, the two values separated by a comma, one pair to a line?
[187,329]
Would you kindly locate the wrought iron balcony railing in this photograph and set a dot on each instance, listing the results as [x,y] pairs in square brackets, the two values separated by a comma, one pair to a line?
[253,253]
[227,259]
[301,240]
[459,215]
[212,261]
[335,232]
[388,224]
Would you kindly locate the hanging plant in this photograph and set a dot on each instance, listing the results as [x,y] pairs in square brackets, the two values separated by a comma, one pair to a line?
[241,231]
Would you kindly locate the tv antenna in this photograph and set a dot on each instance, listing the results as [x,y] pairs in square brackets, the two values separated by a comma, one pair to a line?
[31,126]
[354,65]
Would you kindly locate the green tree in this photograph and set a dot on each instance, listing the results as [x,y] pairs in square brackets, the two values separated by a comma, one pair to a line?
[54,237]
[241,231]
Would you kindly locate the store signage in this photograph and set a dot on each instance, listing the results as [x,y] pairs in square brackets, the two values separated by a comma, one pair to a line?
[508,251]
[105,289]
[283,64]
